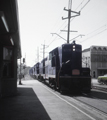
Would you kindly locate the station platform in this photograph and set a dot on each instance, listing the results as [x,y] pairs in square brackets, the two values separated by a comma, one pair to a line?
[26,104]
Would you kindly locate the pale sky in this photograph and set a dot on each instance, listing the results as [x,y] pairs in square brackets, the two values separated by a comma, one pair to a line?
[39,18]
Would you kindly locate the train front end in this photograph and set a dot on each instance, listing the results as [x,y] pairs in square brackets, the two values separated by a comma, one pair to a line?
[72,76]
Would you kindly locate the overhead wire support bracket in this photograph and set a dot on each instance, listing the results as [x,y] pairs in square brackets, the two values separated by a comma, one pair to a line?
[77,37]
[69,16]
[76,12]
[59,36]
[74,16]
[69,31]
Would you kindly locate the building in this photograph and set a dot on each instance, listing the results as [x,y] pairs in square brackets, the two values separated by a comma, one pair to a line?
[95,58]
[10,47]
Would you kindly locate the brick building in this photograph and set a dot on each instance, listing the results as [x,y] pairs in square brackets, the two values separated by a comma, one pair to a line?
[95,57]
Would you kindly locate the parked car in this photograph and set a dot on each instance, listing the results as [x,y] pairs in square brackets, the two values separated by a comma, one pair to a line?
[102,79]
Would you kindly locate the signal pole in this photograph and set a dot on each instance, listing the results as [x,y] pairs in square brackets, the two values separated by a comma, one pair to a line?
[69,17]
[20,83]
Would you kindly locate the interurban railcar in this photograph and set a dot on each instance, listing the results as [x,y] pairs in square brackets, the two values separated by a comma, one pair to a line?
[63,69]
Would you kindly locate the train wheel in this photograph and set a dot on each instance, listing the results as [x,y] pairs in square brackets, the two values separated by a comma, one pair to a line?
[55,86]
[50,82]
[61,90]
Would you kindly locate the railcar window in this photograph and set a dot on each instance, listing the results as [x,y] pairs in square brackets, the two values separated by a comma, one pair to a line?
[50,56]
[53,61]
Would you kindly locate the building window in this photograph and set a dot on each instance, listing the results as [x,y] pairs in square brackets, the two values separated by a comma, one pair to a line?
[94,74]
[8,62]
[104,48]
[99,49]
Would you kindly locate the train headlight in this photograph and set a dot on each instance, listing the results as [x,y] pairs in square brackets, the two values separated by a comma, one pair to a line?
[73,47]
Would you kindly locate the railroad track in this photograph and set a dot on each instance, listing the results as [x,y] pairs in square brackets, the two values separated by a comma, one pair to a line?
[90,105]
[79,103]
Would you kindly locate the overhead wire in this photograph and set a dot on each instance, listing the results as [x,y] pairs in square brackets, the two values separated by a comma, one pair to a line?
[79,10]
[101,31]
[97,29]
[60,26]
[55,24]
[85,5]
[69,6]
[94,35]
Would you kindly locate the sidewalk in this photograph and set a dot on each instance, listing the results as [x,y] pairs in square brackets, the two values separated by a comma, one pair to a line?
[24,106]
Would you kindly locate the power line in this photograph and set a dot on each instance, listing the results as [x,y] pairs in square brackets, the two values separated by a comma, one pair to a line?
[85,5]
[94,35]
[57,22]
[79,10]
[79,5]
[104,29]
[69,6]
[97,29]
[69,17]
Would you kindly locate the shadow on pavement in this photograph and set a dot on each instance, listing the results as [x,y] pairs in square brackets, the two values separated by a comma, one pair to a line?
[24,106]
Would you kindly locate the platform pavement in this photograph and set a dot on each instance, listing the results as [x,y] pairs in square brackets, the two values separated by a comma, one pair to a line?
[25,105]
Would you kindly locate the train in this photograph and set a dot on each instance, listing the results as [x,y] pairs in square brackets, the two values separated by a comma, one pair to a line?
[63,70]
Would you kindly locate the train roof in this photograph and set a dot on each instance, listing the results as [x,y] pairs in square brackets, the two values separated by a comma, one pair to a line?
[66,44]
[44,59]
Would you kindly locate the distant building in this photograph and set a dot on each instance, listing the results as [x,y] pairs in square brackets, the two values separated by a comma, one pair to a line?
[95,58]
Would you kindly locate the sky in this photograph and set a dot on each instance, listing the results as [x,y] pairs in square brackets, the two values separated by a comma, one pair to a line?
[38,19]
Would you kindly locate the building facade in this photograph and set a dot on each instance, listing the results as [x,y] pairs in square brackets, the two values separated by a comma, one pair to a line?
[95,58]
[10,47]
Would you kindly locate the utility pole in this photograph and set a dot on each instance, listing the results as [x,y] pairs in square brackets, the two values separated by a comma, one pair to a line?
[38,53]
[24,67]
[69,17]
[44,46]
[20,83]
